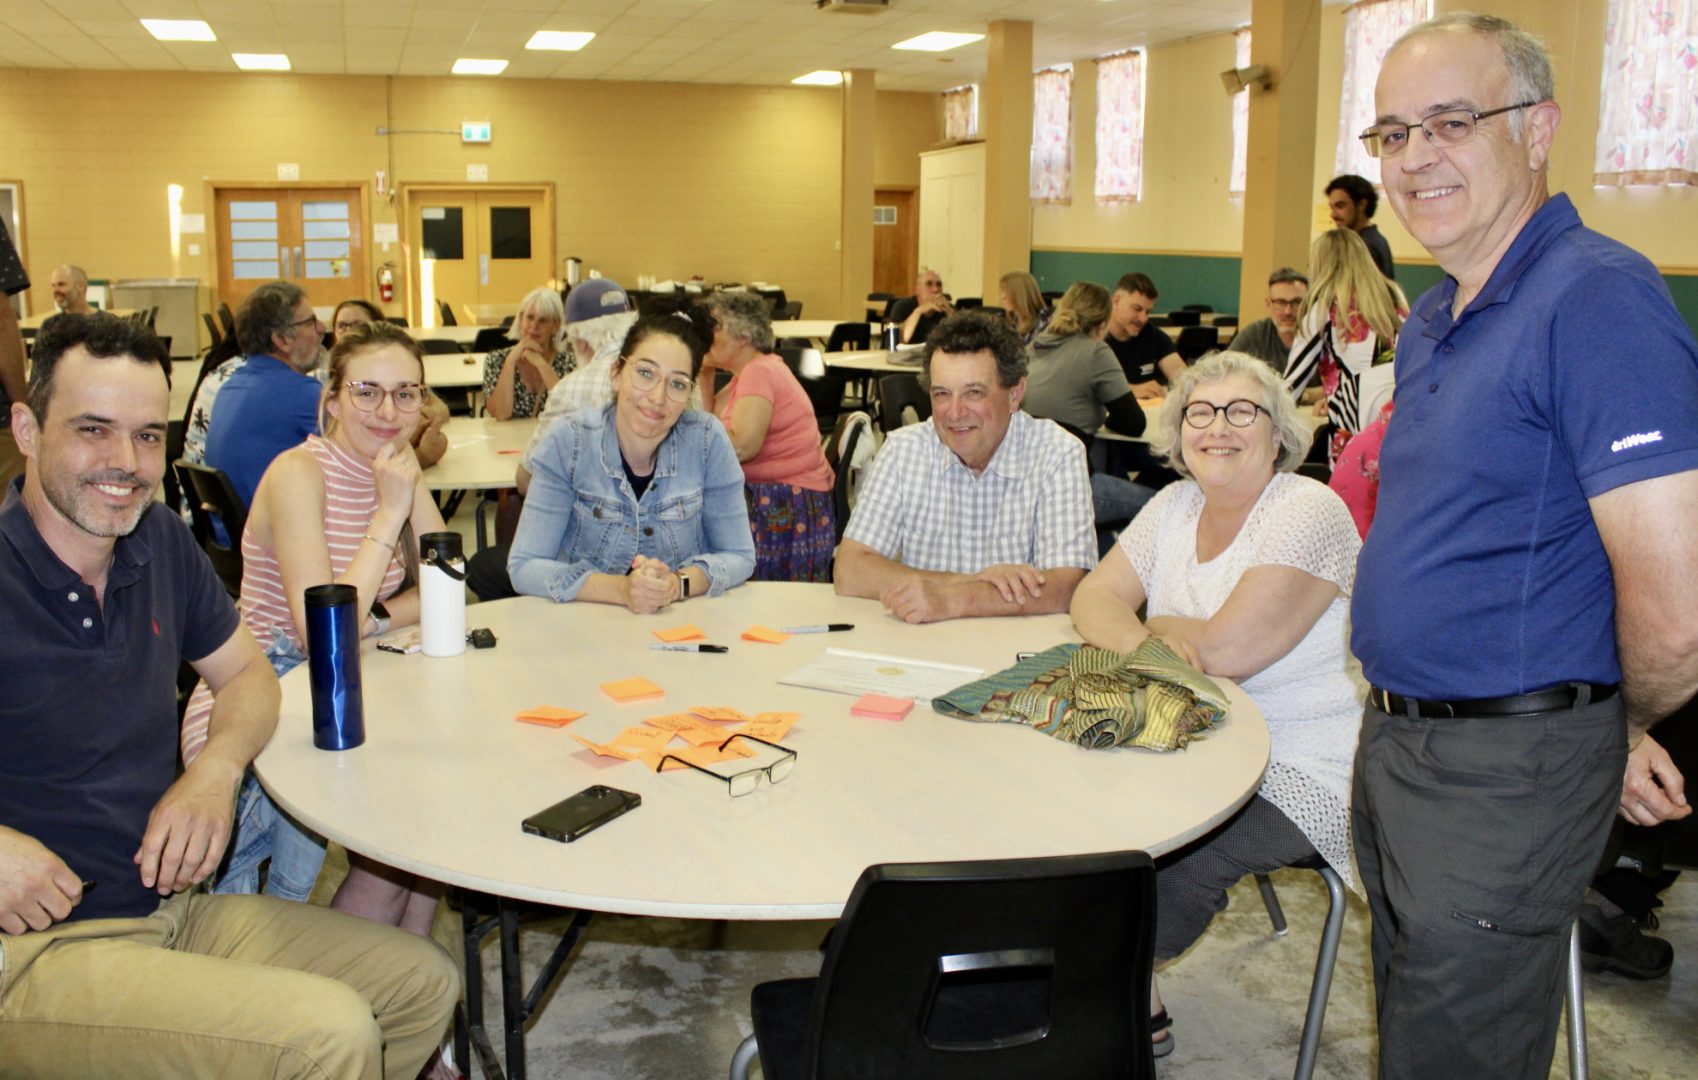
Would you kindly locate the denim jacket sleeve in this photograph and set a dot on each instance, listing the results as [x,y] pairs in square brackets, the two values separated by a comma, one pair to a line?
[728,546]
[541,561]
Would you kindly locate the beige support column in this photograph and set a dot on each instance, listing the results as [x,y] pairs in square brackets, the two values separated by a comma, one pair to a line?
[855,231]
[1285,36]
[1007,128]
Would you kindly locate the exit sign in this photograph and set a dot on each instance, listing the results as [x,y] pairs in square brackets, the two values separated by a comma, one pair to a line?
[474,131]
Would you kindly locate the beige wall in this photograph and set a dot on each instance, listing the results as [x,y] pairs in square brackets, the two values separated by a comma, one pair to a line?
[908,123]
[731,182]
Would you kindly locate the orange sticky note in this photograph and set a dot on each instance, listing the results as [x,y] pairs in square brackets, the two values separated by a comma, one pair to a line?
[687,632]
[881,707]
[702,736]
[771,726]
[642,737]
[637,689]
[679,722]
[549,716]
[766,635]
[609,750]
[707,712]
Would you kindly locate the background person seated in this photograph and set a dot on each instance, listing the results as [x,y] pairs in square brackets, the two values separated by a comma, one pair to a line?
[147,976]
[641,503]
[1023,303]
[1147,355]
[517,380]
[1271,338]
[1246,570]
[429,442]
[984,510]
[770,418]
[919,314]
[70,290]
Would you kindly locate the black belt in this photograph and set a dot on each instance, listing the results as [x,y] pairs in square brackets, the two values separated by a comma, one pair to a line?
[1554,699]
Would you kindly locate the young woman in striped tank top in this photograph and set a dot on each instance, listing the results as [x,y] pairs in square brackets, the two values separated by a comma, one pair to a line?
[343,507]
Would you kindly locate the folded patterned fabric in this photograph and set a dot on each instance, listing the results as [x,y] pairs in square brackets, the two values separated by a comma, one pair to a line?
[1148,697]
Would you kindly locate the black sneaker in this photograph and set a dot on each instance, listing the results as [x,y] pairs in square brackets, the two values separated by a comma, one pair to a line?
[1615,944]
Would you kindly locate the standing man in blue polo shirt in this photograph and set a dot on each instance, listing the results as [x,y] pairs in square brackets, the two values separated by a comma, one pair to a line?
[112,961]
[1526,605]
[271,404]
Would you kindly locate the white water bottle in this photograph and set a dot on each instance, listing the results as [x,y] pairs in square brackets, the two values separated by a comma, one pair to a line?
[442,594]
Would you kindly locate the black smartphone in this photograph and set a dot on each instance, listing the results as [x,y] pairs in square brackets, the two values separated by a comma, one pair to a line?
[583,813]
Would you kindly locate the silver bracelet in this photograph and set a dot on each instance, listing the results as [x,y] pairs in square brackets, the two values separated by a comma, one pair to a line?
[375,540]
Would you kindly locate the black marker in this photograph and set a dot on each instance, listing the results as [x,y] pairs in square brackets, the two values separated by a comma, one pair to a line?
[661,646]
[826,628]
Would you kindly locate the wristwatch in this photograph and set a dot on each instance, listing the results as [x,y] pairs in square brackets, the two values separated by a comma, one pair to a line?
[683,585]
[380,616]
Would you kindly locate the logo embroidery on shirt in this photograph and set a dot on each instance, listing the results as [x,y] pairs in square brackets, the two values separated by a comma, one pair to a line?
[155,627]
[1635,440]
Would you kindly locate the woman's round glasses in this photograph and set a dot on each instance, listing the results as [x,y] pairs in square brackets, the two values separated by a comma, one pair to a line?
[1239,413]
[368,397]
[645,375]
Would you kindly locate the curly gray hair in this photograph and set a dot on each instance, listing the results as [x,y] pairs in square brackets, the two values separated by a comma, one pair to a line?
[1294,437]
[743,315]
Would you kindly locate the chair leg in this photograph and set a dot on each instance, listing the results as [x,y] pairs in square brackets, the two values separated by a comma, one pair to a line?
[1577,1068]
[1275,913]
[745,1056]
[1310,1044]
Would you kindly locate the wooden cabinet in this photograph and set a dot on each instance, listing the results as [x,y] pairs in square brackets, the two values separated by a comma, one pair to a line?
[952,217]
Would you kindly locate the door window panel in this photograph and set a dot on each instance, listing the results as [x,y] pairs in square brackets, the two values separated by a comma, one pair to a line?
[509,232]
[443,233]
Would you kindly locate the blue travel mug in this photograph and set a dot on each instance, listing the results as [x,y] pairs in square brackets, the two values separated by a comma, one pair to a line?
[333,661]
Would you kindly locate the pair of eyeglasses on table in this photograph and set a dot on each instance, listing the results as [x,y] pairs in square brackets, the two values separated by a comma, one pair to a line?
[742,783]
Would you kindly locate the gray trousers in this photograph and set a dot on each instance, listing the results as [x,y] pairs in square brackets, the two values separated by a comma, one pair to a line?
[1476,838]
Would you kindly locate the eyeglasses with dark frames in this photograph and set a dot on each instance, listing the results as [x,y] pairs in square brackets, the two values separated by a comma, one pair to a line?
[1447,128]
[1240,413]
[741,783]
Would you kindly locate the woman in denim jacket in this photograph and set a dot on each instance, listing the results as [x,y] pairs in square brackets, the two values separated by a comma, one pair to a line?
[640,503]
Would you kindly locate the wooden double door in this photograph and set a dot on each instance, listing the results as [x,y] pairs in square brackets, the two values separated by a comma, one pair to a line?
[314,237]
[478,249]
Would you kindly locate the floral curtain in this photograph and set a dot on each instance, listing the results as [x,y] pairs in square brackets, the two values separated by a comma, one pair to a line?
[1240,115]
[961,112]
[1648,112]
[1120,127]
[1370,30]
[1052,135]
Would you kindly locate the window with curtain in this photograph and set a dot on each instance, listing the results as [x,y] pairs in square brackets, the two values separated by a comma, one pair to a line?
[1240,115]
[1120,127]
[1052,135]
[961,112]
[1648,106]
[1370,30]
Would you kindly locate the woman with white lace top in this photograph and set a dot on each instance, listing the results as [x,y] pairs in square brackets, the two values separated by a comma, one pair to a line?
[1246,569]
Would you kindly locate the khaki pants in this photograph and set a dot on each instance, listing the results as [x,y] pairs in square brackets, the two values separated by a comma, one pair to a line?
[232,986]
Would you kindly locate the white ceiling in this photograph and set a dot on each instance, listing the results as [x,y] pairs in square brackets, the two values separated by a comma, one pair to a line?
[705,41]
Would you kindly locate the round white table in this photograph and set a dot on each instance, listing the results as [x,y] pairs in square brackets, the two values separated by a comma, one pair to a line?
[447,370]
[447,774]
[483,454]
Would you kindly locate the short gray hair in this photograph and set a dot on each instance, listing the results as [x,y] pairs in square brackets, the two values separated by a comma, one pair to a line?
[742,315]
[268,310]
[1524,56]
[603,332]
[1294,436]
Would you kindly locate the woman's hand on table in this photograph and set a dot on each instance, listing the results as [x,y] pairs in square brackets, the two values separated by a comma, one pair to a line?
[650,586]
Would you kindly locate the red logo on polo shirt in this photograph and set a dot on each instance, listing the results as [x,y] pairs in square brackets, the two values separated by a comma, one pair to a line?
[155,627]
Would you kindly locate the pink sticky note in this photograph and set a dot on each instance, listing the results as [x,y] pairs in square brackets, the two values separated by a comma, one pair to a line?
[880,707]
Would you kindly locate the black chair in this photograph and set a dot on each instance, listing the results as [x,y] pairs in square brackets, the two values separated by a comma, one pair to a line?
[446,310]
[489,339]
[846,436]
[1050,297]
[1200,308]
[507,322]
[398,320]
[210,495]
[878,304]
[227,319]
[825,393]
[1184,318]
[963,303]
[1327,957]
[790,309]
[1197,341]
[897,392]
[215,336]
[849,335]
[1226,320]
[1001,968]
[170,488]
[440,346]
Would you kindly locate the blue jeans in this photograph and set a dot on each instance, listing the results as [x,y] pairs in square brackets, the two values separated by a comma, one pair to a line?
[264,832]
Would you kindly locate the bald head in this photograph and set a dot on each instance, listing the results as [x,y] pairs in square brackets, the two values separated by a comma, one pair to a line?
[70,289]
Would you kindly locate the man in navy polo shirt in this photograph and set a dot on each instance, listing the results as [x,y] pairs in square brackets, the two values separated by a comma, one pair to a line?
[271,404]
[1526,605]
[112,962]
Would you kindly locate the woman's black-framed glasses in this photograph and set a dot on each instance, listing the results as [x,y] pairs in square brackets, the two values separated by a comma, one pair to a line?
[741,783]
[368,397]
[1239,413]
[645,375]
[1447,128]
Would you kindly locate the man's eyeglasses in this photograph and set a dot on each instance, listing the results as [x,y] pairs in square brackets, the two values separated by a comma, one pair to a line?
[742,783]
[1239,413]
[299,324]
[1448,128]
[1284,305]
[368,397]
[645,375]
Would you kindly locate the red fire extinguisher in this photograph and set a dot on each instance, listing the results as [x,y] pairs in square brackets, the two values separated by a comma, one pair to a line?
[386,282]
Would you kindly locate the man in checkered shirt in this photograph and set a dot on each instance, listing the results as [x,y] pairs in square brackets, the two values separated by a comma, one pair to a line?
[983,511]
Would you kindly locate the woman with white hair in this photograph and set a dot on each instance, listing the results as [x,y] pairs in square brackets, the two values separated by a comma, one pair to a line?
[1246,569]
[516,381]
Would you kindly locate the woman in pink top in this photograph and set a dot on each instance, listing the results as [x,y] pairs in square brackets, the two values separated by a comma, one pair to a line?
[343,507]
[770,419]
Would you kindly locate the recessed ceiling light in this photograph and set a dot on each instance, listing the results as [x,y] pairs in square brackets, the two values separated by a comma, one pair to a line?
[463,66]
[819,78]
[559,40]
[179,29]
[938,41]
[261,61]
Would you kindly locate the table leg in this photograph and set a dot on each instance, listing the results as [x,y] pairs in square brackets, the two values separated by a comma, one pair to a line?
[512,990]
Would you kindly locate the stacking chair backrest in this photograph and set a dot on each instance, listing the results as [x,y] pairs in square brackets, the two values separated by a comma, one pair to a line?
[208,494]
[897,392]
[446,310]
[849,335]
[1196,341]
